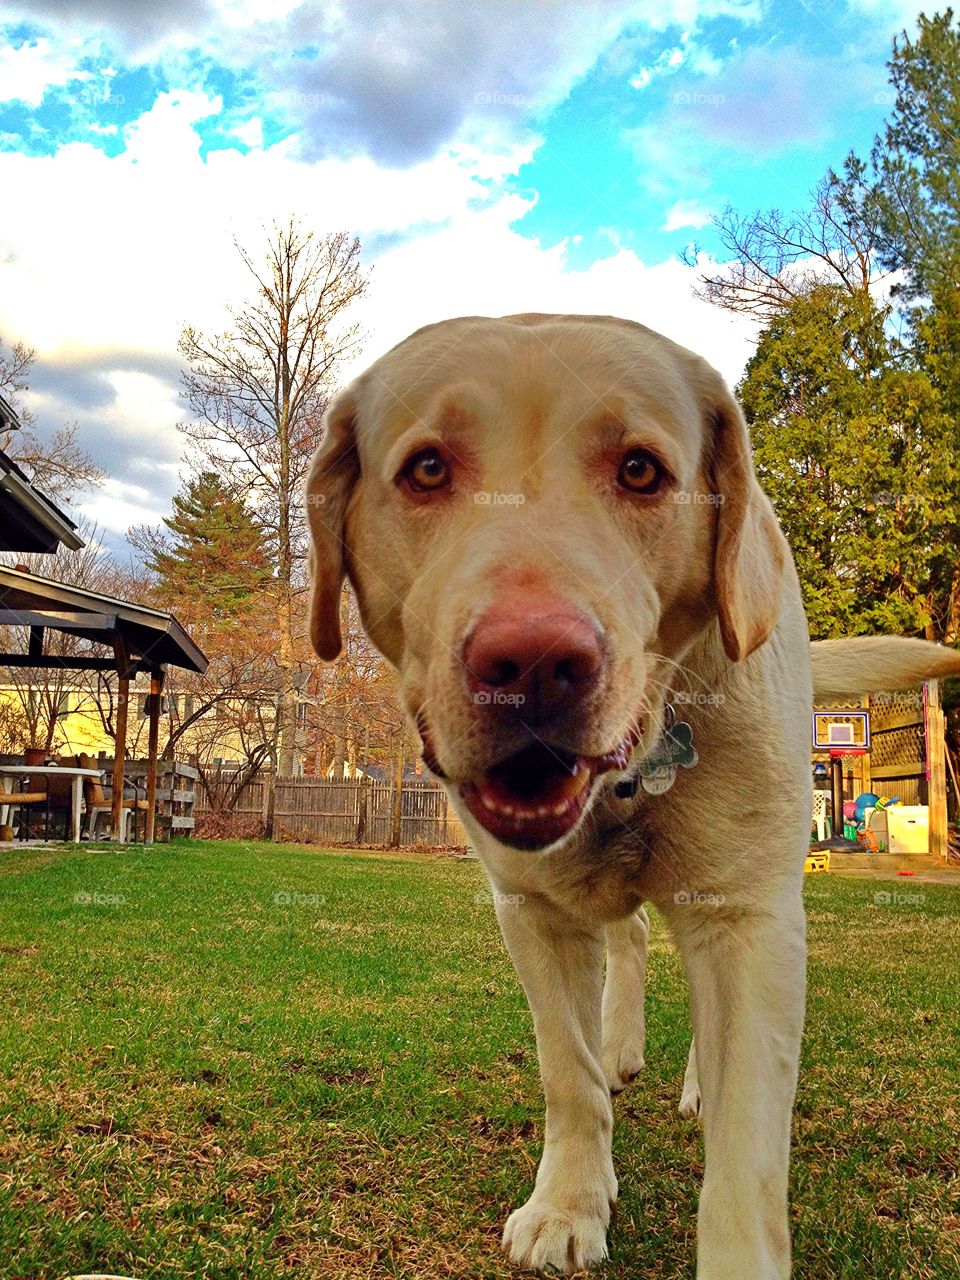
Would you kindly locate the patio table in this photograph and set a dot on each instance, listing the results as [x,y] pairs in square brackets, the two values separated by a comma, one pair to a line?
[75,774]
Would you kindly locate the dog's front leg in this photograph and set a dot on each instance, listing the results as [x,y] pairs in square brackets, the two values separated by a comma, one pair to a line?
[746,974]
[563,1226]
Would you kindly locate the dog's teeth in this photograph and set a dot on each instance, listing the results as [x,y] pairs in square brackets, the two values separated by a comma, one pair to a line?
[543,811]
[507,810]
[558,810]
[487,802]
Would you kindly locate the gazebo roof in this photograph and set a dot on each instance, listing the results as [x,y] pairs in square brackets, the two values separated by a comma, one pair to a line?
[149,637]
[29,521]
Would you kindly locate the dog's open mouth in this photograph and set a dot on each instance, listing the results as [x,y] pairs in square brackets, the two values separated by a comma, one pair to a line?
[536,796]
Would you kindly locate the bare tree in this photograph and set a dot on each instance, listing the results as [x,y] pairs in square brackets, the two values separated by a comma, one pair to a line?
[15,375]
[776,258]
[59,467]
[258,393]
[352,711]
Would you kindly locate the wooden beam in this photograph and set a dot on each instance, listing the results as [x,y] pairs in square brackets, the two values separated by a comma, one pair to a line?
[886,772]
[48,661]
[119,755]
[122,663]
[35,645]
[910,719]
[60,620]
[936,761]
[153,743]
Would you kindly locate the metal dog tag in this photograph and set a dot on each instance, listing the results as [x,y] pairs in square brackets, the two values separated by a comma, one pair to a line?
[659,780]
[675,750]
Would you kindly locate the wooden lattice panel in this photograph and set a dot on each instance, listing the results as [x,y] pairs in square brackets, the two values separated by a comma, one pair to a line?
[897,746]
[889,709]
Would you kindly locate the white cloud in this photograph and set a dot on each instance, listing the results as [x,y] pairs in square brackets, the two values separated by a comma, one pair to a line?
[250,133]
[686,213]
[117,506]
[480,266]
[243,13]
[26,73]
[168,125]
[147,246]
[394,80]
[892,16]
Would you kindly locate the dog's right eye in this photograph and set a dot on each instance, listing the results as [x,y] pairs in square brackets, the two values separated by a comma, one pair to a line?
[426,471]
[641,472]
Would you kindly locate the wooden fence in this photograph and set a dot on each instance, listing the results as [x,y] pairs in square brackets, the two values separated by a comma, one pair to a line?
[353,811]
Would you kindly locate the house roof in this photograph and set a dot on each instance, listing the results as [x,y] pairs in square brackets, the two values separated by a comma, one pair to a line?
[152,638]
[29,521]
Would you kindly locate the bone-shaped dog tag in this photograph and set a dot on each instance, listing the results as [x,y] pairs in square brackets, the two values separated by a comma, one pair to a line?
[659,780]
[675,750]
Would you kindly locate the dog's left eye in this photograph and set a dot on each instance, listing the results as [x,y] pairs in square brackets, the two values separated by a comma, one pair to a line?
[640,472]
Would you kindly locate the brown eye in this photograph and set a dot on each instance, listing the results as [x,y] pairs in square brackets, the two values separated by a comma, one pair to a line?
[640,472]
[427,471]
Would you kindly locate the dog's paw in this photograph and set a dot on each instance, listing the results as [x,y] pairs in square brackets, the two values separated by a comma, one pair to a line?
[690,1100]
[622,1058]
[548,1237]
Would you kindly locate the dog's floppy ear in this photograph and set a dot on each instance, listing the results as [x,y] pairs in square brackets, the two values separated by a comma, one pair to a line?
[333,473]
[751,552]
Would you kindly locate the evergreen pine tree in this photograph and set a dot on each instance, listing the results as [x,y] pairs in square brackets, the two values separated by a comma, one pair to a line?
[213,559]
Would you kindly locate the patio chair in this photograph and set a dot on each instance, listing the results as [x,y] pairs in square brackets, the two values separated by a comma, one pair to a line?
[98,801]
[12,798]
[60,795]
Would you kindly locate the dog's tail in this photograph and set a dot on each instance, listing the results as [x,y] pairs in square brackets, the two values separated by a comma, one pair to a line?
[864,664]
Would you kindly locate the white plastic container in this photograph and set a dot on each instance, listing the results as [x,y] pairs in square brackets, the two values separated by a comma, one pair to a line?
[908,826]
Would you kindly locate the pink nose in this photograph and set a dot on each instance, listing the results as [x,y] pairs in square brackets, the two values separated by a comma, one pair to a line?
[535,657]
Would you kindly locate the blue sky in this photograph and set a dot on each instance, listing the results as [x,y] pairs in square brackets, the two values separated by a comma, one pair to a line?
[532,154]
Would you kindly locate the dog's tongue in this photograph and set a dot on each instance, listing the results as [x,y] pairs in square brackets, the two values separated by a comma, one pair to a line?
[536,796]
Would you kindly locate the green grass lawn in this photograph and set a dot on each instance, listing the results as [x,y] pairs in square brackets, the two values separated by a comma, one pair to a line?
[201,1078]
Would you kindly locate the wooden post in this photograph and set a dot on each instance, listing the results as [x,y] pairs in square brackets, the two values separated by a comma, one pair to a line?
[937,766]
[363,791]
[398,795]
[153,744]
[362,794]
[836,794]
[120,743]
[269,802]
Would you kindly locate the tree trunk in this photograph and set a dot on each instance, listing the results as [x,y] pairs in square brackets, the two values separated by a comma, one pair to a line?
[339,755]
[287,744]
[397,833]
[287,700]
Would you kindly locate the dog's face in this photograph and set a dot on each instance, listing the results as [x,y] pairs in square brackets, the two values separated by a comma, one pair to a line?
[539,515]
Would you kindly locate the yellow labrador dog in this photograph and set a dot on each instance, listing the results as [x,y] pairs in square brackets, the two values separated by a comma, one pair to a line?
[556,537]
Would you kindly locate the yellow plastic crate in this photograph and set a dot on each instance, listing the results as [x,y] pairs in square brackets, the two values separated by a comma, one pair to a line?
[817,862]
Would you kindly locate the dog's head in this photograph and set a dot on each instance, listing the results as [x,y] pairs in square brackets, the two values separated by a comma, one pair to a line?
[539,515]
